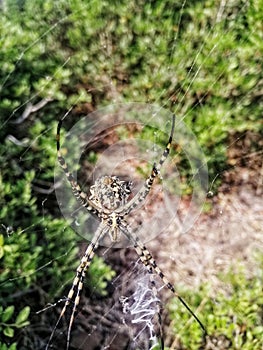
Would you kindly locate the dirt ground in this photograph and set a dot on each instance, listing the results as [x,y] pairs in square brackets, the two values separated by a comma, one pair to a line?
[232,232]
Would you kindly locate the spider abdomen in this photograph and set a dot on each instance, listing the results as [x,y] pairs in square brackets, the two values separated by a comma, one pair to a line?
[109,192]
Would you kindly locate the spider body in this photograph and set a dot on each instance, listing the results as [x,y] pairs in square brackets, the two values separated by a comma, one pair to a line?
[109,202]
[109,192]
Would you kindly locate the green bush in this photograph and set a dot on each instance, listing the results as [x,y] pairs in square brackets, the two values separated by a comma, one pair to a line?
[234,315]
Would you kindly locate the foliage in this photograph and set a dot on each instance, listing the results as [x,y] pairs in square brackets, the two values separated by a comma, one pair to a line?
[99,276]
[23,239]
[7,327]
[221,66]
[234,315]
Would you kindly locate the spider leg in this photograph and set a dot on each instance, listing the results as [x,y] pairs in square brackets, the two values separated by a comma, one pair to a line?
[144,191]
[78,193]
[75,290]
[149,262]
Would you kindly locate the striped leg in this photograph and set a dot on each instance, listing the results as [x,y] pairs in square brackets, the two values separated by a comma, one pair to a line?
[74,293]
[152,267]
[144,191]
[78,193]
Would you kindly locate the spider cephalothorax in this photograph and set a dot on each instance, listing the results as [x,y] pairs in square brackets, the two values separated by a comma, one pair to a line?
[109,192]
[109,202]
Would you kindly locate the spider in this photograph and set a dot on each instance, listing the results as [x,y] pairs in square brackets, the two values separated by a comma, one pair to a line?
[108,201]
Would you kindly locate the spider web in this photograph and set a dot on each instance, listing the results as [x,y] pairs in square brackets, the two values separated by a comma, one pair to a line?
[189,247]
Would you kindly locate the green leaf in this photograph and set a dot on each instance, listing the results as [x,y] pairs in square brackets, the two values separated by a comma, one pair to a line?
[8,312]
[12,347]
[22,316]
[4,346]
[23,324]
[1,252]
[9,332]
